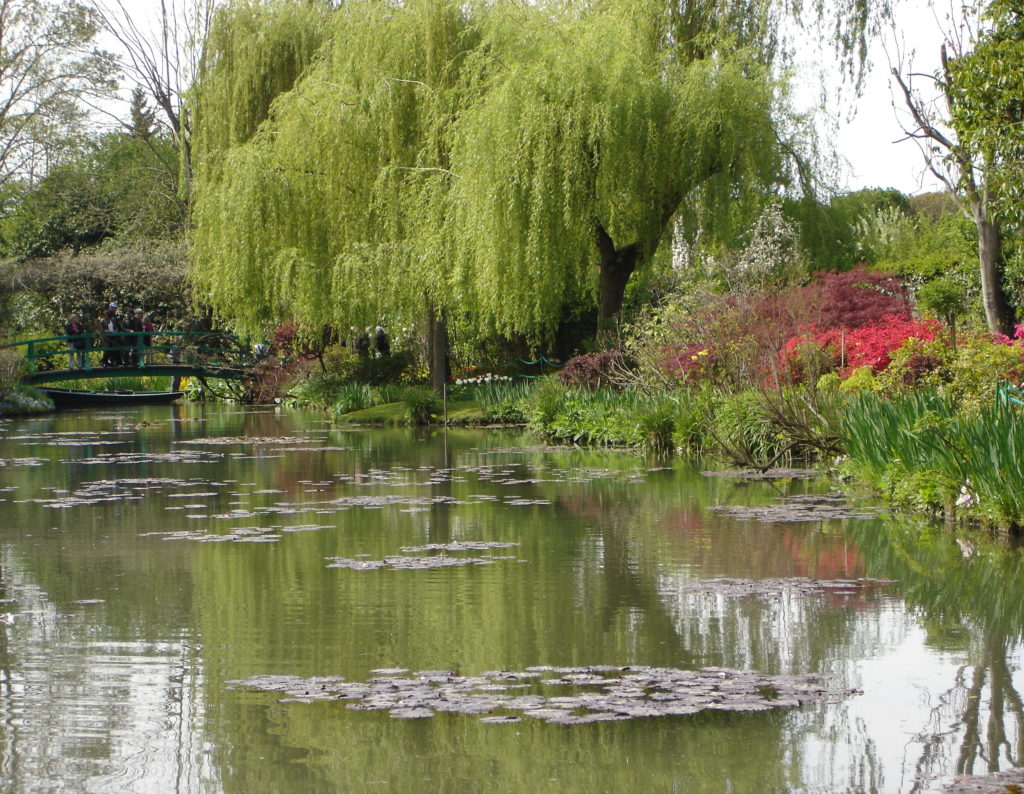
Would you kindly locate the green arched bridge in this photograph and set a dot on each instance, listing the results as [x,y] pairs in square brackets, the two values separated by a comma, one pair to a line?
[201,354]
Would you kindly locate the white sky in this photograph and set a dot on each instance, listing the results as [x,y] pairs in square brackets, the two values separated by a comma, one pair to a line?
[868,141]
[871,142]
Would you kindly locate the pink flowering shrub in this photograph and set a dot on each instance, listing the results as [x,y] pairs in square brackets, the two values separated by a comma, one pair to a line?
[1016,341]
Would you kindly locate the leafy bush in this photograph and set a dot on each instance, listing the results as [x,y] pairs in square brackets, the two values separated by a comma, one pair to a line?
[422,404]
[353,397]
[384,370]
[20,400]
[592,370]
[12,367]
[544,402]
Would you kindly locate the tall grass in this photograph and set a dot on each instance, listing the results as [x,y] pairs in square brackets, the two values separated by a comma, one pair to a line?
[923,450]
[503,402]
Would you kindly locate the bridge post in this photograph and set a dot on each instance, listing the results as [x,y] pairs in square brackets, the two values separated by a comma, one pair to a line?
[30,355]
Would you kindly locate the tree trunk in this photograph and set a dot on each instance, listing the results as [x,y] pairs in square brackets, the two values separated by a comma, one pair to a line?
[617,265]
[437,350]
[990,257]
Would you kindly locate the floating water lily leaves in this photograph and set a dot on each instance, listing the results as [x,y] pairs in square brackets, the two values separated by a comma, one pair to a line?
[593,694]
[411,563]
[806,507]
[773,588]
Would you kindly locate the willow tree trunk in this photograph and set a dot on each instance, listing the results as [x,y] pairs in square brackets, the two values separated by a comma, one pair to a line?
[998,312]
[437,350]
[617,265]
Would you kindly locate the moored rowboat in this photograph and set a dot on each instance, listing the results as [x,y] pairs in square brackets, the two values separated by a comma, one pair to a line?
[79,398]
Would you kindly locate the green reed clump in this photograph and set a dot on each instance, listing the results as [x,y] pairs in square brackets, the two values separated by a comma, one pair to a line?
[924,451]
[656,425]
[353,397]
[422,404]
[501,401]
[742,431]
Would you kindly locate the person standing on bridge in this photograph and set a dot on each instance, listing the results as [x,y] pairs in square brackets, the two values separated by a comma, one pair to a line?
[112,343]
[136,339]
[77,345]
[147,340]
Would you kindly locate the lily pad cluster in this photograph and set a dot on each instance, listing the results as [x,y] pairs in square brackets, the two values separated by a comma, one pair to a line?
[773,588]
[805,507]
[410,563]
[1007,781]
[767,474]
[127,489]
[559,695]
[406,563]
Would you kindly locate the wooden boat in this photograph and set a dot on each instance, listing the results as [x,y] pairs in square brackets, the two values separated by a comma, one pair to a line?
[79,398]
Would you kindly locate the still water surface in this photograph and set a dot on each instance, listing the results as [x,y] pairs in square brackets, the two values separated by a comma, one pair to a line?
[132,612]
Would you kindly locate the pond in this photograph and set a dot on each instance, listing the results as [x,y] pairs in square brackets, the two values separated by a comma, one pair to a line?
[208,598]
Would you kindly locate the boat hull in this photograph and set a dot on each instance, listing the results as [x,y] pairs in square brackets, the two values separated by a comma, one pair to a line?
[78,398]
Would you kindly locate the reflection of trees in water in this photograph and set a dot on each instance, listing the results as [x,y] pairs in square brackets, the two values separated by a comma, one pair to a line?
[977,725]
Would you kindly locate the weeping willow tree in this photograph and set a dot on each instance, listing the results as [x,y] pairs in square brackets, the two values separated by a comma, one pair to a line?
[484,164]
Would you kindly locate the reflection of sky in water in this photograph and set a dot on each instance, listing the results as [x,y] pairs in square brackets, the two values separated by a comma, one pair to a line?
[614,563]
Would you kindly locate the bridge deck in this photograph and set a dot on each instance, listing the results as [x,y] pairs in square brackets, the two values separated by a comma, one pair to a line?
[182,370]
[201,354]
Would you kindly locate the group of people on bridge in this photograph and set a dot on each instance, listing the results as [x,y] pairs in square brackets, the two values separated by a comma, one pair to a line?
[120,349]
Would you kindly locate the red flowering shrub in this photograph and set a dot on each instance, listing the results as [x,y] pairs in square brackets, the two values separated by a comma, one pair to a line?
[737,340]
[1018,337]
[870,345]
[591,370]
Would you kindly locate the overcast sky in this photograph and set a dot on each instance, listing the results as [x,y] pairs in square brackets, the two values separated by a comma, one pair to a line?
[870,141]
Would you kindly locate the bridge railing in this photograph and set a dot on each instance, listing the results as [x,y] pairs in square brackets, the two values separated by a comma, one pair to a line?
[210,350]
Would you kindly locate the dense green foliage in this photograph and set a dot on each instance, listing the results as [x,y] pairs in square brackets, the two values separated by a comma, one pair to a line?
[988,109]
[120,190]
[495,162]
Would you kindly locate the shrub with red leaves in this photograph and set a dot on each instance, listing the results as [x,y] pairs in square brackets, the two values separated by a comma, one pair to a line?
[740,339]
[854,298]
[870,345]
[591,370]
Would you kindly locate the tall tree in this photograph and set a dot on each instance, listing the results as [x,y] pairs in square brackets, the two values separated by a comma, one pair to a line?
[973,142]
[160,54]
[49,64]
[492,160]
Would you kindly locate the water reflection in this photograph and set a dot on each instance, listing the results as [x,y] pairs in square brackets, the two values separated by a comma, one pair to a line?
[970,597]
[132,690]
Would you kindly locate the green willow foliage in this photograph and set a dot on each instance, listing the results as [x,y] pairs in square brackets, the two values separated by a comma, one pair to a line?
[492,160]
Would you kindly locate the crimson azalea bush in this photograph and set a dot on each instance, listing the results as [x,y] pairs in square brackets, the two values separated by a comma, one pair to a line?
[870,345]
[742,339]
